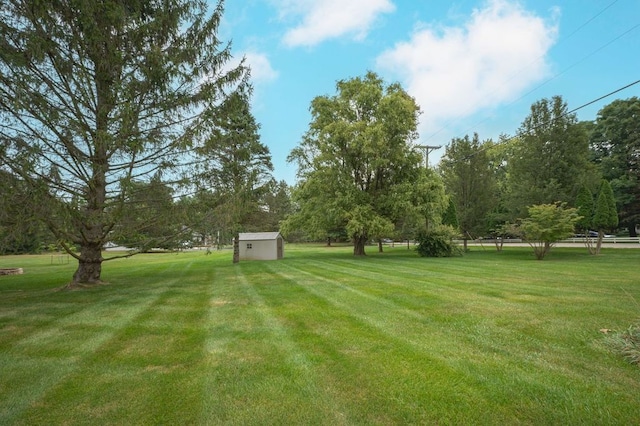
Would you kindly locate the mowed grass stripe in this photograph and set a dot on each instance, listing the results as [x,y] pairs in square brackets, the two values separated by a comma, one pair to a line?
[489,282]
[256,372]
[399,324]
[123,358]
[68,329]
[484,341]
[313,339]
[376,361]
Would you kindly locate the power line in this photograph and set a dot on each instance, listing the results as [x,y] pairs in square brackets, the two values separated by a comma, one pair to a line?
[604,96]
[556,75]
[509,138]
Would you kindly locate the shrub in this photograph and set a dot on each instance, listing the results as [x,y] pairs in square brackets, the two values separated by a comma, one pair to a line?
[627,343]
[438,243]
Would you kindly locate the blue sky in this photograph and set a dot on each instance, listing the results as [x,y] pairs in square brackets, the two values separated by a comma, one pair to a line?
[472,66]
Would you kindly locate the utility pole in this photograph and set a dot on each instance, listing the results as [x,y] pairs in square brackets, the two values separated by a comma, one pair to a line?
[427,150]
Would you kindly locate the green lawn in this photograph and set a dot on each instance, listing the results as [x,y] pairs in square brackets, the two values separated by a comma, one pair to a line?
[322,338]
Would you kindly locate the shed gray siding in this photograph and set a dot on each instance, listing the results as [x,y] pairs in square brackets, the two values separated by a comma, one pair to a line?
[261,246]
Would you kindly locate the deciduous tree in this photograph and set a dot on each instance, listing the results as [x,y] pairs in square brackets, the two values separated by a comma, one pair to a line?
[357,168]
[469,179]
[546,224]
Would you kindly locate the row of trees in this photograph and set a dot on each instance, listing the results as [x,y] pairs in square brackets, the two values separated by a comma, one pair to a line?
[360,176]
[121,121]
[553,158]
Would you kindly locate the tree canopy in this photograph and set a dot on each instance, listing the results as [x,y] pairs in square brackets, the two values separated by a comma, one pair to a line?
[546,224]
[549,161]
[470,180]
[615,141]
[235,168]
[356,164]
[97,94]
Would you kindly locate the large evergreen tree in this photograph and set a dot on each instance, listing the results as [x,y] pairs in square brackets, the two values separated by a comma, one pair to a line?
[585,209]
[97,93]
[616,144]
[605,216]
[549,161]
[236,168]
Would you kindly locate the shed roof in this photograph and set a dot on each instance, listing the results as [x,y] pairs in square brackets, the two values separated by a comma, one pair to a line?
[258,236]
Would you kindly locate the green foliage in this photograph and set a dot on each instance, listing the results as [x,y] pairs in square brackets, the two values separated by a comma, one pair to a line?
[586,207]
[21,227]
[615,143]
[450,216]
[438,243]
[550,158]
[468,175]
[547,224]
[357,169]
[150,219]
[234,178]
[605,217]
[98,94]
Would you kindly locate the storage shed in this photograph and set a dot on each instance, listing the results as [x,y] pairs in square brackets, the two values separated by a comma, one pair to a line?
[261,246]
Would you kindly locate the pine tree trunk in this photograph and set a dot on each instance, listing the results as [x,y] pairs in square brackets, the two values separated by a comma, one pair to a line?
[89,266]
[358,246]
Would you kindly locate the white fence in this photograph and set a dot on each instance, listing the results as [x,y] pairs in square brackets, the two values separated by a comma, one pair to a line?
[606,240]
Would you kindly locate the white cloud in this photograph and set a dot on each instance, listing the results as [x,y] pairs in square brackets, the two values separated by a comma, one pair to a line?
[261,69]
[326,19]
[454,72]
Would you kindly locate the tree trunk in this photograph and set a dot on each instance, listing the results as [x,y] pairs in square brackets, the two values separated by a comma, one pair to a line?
[599,242]
[358,246]
[588,243]
[380,246]
[632,230]
[236,249]
[465,244]
[89,265]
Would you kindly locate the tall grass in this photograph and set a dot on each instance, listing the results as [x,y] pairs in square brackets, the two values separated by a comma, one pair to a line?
[322,337]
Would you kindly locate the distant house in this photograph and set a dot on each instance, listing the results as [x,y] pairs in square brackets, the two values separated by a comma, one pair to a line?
[261,246]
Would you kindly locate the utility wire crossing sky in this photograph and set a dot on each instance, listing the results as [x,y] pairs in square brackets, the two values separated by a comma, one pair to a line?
[472,66]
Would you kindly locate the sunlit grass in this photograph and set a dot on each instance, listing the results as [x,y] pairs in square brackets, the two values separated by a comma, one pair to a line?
[322,337]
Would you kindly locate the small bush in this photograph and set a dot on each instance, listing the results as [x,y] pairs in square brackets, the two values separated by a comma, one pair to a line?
[438,243]
[627,343]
